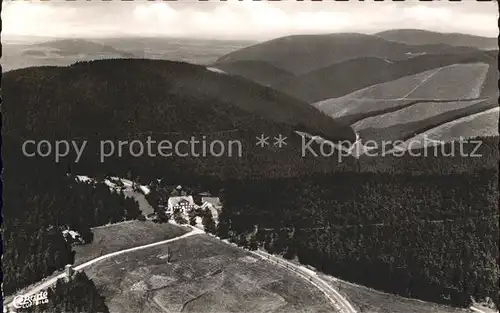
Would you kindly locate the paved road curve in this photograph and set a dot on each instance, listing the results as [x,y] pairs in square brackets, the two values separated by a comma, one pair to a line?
[338,301]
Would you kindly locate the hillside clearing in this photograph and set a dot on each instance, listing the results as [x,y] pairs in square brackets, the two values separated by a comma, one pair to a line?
[457,81]
[343,107]
[407,129]
[449,83]
[123,236]
[405,107]
[144,206]
[204,275]
[395,89]
[413,113]
[480,124]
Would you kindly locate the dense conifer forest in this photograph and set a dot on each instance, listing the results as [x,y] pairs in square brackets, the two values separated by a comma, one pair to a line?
[42,202]
[77,295]
[431,234]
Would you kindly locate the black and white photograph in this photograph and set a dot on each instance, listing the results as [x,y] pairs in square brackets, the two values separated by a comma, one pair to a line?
[240,156]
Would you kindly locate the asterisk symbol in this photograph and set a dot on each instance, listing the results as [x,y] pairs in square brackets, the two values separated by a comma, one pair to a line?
[280,141]
[262,141]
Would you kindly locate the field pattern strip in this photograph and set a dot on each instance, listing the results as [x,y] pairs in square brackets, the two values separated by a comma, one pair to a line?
[480,124]
[414,113]
[355,118]
[407,131]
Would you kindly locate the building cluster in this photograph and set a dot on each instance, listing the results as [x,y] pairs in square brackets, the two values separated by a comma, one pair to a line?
[183,203]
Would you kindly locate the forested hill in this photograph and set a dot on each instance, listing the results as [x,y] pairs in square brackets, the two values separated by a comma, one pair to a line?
[420,37]
[131,99]
[300,54]
[159,93]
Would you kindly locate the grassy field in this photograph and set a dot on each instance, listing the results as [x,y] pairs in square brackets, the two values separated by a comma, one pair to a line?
[144,206]
[341,107]
[480,124]
[396,89]
[367,300]
[404,130]
[204,275]
[126,235]
[458,81]
[416,112]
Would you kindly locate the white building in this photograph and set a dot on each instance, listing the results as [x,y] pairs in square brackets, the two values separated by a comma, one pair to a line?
[182,203]
[72,236]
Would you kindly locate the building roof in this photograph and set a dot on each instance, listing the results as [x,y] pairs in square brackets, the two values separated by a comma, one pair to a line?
[215,201]
[173,201]
[72,233]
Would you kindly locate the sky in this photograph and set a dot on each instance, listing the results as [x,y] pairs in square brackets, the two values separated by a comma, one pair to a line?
[244,19]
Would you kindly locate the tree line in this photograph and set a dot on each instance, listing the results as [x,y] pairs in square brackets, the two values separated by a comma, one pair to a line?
[79,294]
[39,206]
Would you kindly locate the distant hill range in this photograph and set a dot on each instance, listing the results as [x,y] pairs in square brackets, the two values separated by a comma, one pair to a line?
[417,79]
[69,47]
[62,52]
[424,37]
[300,54]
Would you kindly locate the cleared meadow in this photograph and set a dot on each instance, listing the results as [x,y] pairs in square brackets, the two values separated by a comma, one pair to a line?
[204,275]
[342,107]
[481,124]
[458,81]
[405,130]
[125,235]
[396,89]
[144,206]
[416,112]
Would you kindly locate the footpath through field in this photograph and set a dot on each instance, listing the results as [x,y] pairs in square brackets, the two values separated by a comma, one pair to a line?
[54,279]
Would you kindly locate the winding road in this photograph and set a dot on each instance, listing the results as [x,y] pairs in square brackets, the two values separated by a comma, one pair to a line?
[339,302]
